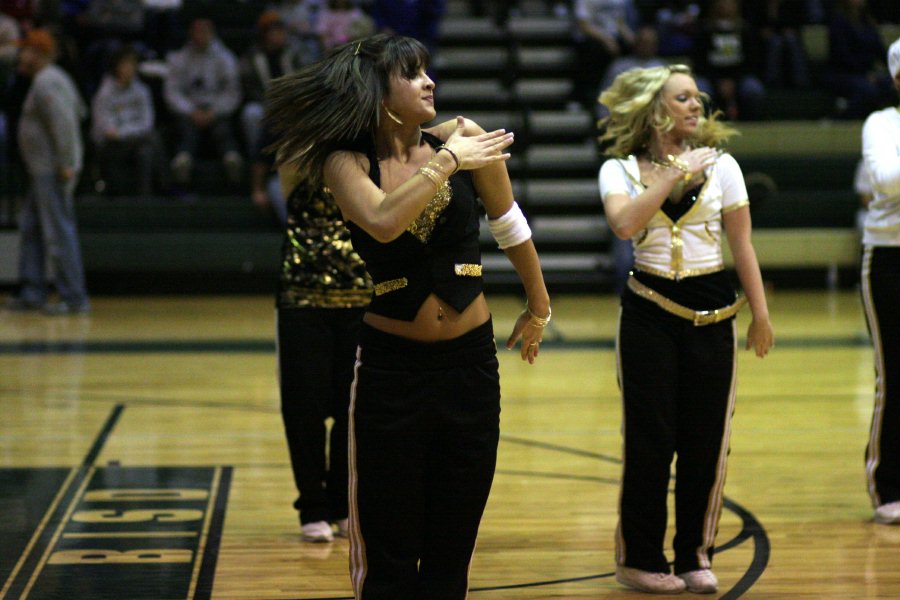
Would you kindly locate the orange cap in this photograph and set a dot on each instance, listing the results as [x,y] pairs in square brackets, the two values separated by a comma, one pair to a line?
[41,40]
[267,20]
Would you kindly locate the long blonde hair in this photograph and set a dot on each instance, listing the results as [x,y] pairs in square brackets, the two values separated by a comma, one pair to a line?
[636,109]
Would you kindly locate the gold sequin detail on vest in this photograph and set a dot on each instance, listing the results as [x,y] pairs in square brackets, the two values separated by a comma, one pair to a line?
[467,270]
[425,223]
[390,285]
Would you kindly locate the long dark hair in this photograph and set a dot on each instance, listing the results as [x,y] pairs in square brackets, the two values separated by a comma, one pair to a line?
[333,104]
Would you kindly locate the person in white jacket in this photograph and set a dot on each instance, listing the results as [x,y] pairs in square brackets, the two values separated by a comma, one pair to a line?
[122,127]
[880,285]
[203,91]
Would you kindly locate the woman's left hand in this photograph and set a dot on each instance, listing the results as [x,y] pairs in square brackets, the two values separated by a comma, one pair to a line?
[531,335]
[760,336]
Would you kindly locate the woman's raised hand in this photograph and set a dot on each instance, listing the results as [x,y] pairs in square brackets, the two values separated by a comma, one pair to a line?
[698,159]
[474,152]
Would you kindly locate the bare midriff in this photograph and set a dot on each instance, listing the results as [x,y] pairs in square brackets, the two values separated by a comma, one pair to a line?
[436,320]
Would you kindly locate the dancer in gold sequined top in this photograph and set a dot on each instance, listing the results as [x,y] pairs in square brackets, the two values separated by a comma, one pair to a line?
[323,292]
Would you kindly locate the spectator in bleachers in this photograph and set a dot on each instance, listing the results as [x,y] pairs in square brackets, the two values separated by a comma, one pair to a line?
[418,19]
[122,126]
[726,62]
[856,71]
[302,20]
[777,24]
[644,54]
[342,22]
[9,46]
[273,55]
[203,91]
[677,22]
[50,143]
[604,31]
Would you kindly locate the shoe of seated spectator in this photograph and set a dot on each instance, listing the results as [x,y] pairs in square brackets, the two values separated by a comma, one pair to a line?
[649,581]
[701,581]
[317,532]
[17,304]
[181,167]
[234,166]
[64,308]
[343,528]
[888,514]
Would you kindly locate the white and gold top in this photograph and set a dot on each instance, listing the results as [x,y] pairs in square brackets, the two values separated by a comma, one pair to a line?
[881,154]
[691,245]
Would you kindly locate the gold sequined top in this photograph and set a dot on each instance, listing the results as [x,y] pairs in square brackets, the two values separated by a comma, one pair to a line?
[320,268]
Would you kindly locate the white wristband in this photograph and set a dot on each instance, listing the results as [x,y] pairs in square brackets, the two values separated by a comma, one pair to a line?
[511,229]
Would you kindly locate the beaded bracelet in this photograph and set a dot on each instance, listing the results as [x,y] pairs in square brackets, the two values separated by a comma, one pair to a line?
[452,153]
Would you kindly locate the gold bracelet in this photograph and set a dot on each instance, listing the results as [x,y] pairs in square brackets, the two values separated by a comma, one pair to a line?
[436,166]
[535,319]
[682,166]
[432,175]
[678,163]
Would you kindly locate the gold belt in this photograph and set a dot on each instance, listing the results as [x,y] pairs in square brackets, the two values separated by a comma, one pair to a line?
[699,317]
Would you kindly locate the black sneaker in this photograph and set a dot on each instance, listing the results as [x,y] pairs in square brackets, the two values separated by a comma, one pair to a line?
[64,308]
[17,304]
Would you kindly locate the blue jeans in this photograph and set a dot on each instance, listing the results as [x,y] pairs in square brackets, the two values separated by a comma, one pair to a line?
[48,229]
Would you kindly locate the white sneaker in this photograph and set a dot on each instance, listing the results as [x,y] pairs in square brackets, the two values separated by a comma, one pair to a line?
[181,167]
[317,532]
[701,581]
[234,166]
[343,528]
[888,514]
[648,581]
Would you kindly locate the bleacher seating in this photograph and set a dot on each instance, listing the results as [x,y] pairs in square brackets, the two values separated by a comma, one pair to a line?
[518,76]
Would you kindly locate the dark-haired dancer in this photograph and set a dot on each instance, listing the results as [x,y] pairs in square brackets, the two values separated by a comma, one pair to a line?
[425,402]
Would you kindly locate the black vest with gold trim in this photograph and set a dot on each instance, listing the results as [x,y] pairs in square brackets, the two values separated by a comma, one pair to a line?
[438,253]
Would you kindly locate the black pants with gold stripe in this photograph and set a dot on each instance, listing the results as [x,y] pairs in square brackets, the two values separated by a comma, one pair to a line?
[677,383]
[424,428]
[316,348]
[880,286]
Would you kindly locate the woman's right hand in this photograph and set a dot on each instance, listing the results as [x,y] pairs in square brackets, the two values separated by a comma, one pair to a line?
[476,151]
[698,159]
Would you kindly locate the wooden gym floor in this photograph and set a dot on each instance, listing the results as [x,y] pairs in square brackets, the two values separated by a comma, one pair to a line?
[142,456]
